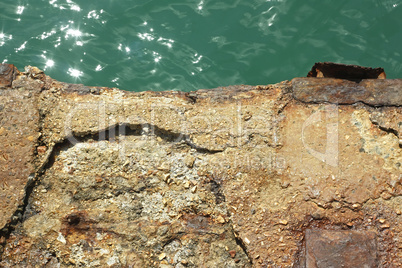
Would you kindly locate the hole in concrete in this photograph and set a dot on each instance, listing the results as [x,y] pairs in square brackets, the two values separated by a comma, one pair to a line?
[73,219]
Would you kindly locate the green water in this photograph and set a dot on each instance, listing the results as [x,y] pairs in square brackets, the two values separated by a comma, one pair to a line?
[188,45]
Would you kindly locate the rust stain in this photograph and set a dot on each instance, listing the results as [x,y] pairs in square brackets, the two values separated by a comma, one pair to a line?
[76,222]
[7,74]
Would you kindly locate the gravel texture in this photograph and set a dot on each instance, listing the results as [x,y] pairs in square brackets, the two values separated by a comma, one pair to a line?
[242,176]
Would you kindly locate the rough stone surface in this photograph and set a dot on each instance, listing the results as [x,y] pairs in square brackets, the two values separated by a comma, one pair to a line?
[243,176]
[19,131]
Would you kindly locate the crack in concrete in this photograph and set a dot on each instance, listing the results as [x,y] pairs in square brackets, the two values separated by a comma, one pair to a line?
[346,104]
[110,133]
[113,132]
[17,216]
[241,244]
[389,131]
[125,129]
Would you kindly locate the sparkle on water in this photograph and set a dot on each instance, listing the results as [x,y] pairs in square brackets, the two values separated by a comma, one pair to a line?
[74,72]
[184,45]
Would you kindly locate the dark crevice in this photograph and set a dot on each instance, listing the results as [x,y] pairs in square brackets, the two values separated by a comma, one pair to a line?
[17,217]
[346,104]
[385,129]
[241,244]
[200,149]
[192,97]
[299,256]
[281,109]
[171,238]
[376,106]
[53,255]
[216,189]
[390,131]
[112,134]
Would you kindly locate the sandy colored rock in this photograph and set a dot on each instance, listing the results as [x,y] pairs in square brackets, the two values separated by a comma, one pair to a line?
[229,177]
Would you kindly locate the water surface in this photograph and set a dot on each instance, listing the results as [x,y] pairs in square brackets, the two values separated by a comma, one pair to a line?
[188,45]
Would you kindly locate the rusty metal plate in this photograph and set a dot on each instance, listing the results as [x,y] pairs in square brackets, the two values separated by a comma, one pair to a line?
[375,92]
[7,74]
[345,71]
[340,248]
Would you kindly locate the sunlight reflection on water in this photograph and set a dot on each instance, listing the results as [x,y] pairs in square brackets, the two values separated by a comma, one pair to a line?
[204,44]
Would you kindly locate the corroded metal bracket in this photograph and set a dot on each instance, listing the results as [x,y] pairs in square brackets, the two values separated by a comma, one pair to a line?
[343,71]
[347,84]
[373,92]
[7,74]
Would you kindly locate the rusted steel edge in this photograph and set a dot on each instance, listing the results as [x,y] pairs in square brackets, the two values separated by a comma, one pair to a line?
[8,73]
[373,92]
[345,71]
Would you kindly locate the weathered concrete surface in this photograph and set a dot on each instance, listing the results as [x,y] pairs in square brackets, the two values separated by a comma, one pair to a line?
[230,177]
[19,131]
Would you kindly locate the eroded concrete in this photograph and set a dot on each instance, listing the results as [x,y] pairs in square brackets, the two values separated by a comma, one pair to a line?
[231,177]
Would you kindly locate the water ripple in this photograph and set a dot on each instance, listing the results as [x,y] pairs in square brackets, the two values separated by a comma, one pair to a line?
[200,44]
